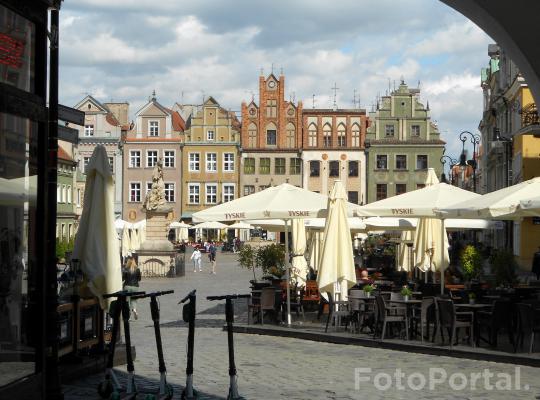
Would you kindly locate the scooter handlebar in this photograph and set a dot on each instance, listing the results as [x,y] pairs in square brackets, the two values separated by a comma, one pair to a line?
[152,294]
[122,293]
[192,293]
[229,296]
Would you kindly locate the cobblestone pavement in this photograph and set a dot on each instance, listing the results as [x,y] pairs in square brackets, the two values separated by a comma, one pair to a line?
[282,368]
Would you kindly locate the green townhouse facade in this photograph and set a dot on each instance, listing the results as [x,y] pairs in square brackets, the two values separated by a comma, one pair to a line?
[66,196]
[401,144]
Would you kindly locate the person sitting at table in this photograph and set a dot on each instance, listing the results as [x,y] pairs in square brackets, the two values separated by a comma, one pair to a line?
[364,279]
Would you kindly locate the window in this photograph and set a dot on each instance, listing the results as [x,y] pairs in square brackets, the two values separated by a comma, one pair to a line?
[342,138]
[389,130]
[134,159]
[210,135]
[355,135]
[271,108]
[148,188]
[401,188]
[271,137]
[194,162]
[63,231]
[169,157]
[381,191]
[169,192]
[401,161]
[211,162]
[89,130]
[135,192]
[353,197]
[314,168]
[228,162]
[194,191]
[290,135]
[420,185]
[249,189]
[69,194]
[86,160]
[211,193]
[421,162]
[58,193]
[153,128]
[64,193]
[334,168]
[78,197]
[312,135]
[353,168]
[249,166]
[151,158]
[382,161]
[252,135]
[327,136]
[111,164]
[228,192]
[279,166]
[264,166]
[415,130]
[296,166]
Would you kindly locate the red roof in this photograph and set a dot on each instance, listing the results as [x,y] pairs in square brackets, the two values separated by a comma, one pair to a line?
[63,155]
[178,122]
[111,119]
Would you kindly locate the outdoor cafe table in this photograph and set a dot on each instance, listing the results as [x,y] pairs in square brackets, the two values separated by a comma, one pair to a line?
[475,308]
[409,305]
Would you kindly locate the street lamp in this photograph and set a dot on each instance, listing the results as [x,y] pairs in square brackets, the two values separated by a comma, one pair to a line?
[452,161]
[463,162]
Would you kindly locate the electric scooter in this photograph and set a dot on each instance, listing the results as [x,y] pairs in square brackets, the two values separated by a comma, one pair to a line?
[229,317]
[110,387]
[188,315]
[165,391]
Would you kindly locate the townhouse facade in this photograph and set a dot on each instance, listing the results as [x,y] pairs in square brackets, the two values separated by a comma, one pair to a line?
[66,202]
[104,124]
[510,129]
[271,138]
[157,133]
[401,144]
[210,158]
[333,149]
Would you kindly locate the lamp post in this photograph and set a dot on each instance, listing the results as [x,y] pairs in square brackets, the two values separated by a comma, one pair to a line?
[452,161]
[463,162]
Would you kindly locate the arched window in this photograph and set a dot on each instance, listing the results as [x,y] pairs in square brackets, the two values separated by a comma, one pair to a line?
[252,135]
[355,135]
[291,142]
[327,135]
[312,135]
[341,136]
[271,135]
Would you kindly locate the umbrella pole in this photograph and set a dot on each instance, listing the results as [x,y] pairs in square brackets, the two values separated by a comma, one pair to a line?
[288,271]
[443,232]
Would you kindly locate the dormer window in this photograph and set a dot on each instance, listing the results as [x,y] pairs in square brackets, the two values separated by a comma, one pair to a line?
[89,130]
[153,128]
[210,135]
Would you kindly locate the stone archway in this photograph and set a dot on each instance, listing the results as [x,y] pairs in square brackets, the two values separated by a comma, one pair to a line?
[513,25]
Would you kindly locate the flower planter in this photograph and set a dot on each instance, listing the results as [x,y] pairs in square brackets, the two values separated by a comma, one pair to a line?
[406,298]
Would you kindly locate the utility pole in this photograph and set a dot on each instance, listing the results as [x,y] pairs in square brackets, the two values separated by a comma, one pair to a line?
[335,89]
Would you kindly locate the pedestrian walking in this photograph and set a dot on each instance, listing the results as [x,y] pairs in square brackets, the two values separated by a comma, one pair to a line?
[212,256]
[131,276]
[196,258]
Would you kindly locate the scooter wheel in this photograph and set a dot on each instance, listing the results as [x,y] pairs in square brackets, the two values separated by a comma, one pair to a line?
[105,389]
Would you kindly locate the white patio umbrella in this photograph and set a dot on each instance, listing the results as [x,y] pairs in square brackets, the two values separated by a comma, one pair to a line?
[180,229]
[214,225]
[286,202]
[299,263]
[315,245]
[140,227]
[504,204]
[96,243]
[409,224]
[530,207]
[404,250]
[336,268]
[126,242]
[431,240]
[241,225]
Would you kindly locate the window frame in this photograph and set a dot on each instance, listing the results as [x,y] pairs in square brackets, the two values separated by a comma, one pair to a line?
[356,170]
[332,170]
[207,162]
[249,169]
[377,192]
[173,184]
[130,165]
[147,158]
[385,156]
[228,165]
[213,136]
[250,192]
[396,162]
[295,166]
[224,194]
[282,168]
[89,130]
[413,126]
[198,194]
[207,193]
[349,196]
[396,188]
[314,172]
[131,189]
[165,151]
[193,163]
[386,130]
[151,128]
[274,137]
[269,166]
[418,159]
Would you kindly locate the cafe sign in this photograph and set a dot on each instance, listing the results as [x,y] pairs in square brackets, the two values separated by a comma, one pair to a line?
[402,211]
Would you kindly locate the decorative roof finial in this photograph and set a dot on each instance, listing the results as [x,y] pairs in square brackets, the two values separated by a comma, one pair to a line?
[154,95]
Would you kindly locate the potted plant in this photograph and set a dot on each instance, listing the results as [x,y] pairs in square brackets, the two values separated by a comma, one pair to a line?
[472,298]
[247,258]
[271,258]
[368,289]
[471,262]
[504,267]
[406,293]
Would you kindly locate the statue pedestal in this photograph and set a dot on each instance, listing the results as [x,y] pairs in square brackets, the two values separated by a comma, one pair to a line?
[156,252]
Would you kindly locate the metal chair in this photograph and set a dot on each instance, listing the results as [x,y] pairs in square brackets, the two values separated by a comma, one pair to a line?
[500,316]
[527,325]
[267,303]
[384,316]
[336,311]
[452,320]
[423,317]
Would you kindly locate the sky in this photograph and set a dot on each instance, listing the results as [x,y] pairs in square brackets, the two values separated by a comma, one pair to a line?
[123,50]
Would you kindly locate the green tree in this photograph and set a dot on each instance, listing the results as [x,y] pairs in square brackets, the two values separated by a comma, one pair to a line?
[247,258]
[471,262]
[504,266]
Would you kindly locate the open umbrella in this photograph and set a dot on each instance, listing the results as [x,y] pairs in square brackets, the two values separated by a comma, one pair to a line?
[299,263]
[96,243]
[336,268]
[530,207]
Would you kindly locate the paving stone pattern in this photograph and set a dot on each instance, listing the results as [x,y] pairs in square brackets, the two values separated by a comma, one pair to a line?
[272,367]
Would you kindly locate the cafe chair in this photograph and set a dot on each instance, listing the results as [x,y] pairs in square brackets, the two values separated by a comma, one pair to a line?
[499,317]
[452,321]
[527,325]
[266,303]
[384,316]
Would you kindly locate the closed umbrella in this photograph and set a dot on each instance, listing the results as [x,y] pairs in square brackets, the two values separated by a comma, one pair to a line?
[336,268]
[315,245]
[96,242]
[126,242]
[404,251]
[299,263]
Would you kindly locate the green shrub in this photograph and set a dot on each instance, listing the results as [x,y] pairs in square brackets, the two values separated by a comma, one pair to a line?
[471,262]
[271,258]
[504,267]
